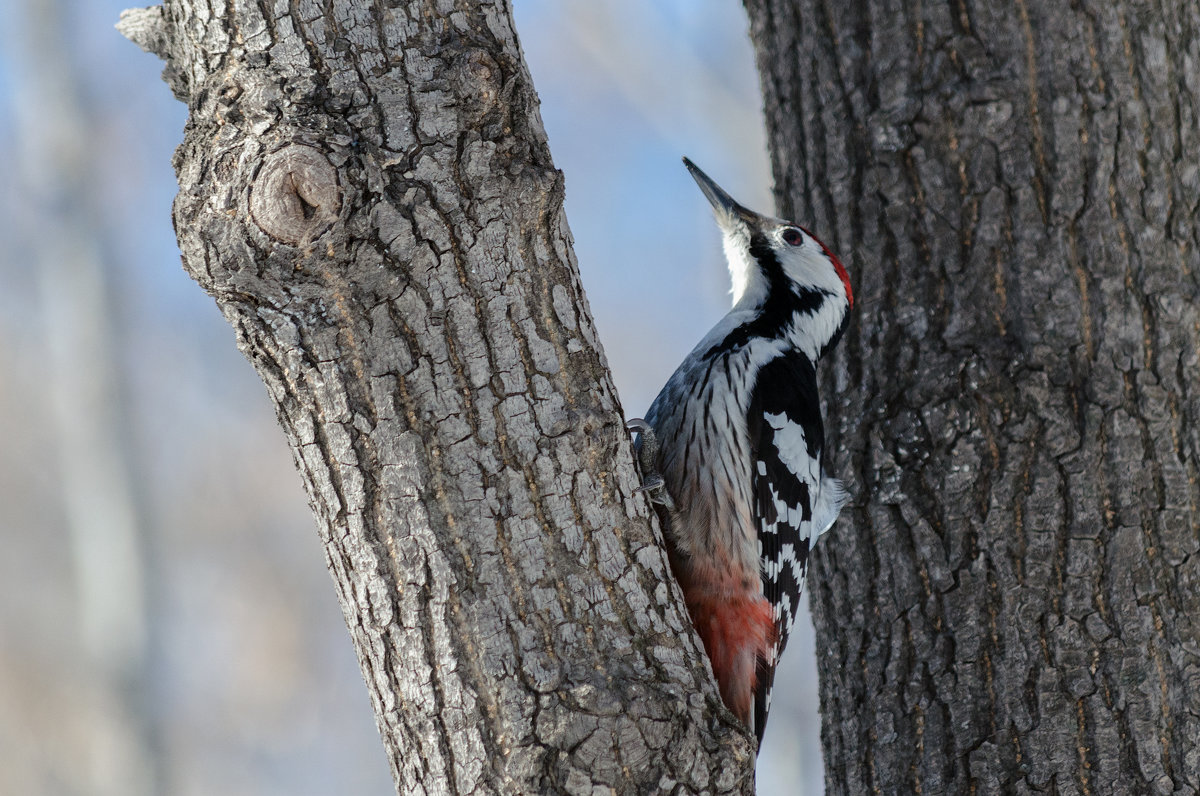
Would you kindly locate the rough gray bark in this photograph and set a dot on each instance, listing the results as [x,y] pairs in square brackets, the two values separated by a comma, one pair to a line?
[1012,603]
[366,191]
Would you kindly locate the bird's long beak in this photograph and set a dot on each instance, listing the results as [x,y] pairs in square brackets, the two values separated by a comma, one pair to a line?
[725,208]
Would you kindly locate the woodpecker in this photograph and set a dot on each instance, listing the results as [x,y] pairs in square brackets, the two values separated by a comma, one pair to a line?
[732,448]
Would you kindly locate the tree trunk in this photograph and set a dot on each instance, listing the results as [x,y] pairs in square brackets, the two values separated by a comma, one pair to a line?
[366,191]
[1013,602]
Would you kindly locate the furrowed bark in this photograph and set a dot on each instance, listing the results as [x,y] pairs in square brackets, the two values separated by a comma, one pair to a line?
[367,192]
[1011,605]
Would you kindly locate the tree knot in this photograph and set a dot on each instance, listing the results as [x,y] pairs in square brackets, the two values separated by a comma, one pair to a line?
[295,196]
[478,84]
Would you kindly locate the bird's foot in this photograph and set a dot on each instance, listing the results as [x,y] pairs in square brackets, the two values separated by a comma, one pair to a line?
[647,449]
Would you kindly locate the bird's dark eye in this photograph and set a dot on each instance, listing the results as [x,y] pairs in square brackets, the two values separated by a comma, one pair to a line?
[792,237]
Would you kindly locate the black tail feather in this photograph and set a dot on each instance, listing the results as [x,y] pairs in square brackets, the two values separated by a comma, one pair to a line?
[763,681]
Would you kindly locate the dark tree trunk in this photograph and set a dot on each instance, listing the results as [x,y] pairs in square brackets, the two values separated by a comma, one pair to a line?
[1012,604]
[366,191]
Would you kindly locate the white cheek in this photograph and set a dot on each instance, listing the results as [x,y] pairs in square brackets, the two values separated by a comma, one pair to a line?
[806,265]
[743,271]
[738,268]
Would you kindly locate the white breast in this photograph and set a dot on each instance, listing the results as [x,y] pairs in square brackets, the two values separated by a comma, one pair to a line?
[702,410]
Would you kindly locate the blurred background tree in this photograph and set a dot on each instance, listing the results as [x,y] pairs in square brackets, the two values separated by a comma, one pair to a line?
[141,666]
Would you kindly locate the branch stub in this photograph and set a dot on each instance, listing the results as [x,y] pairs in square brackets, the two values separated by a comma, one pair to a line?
[147,28]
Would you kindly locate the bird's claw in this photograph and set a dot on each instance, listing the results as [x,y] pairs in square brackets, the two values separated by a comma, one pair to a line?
[637,425]
[652,481]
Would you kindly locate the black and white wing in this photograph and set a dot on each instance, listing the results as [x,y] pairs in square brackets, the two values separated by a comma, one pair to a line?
[786,437]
